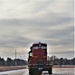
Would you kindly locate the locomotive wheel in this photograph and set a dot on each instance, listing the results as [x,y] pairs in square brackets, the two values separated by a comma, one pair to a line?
[50,72]
[35,72]
[29,72]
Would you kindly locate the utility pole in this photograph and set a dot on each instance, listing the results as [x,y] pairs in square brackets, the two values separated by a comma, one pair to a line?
[15,58]
[20,60]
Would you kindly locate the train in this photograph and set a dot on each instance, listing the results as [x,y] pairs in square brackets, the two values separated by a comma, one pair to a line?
[37,59]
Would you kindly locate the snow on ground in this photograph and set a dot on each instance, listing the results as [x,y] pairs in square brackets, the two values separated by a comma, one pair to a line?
[63,71]
[14,72]
[56,71]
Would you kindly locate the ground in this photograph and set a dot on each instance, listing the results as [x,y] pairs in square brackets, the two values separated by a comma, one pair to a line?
[56,71]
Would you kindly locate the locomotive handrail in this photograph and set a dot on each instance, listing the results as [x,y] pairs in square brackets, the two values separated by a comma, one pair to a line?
[30,60]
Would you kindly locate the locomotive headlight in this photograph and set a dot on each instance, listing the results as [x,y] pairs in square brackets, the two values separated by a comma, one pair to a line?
[30,54]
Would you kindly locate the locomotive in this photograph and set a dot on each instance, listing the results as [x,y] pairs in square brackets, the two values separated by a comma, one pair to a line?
[37,59]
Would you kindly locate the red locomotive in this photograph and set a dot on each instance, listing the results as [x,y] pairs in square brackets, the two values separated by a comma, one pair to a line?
[37,60]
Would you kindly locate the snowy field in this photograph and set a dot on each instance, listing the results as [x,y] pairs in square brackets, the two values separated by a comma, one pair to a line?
[56,71]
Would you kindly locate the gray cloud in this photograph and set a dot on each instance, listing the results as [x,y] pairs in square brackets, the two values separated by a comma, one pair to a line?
[24,22]
[68,54]
[15,42]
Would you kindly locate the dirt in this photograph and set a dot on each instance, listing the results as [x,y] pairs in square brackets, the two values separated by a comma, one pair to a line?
[56,71]
[63,66]
[8,68]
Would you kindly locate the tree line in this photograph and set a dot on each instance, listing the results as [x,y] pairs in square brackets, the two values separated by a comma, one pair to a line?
[21,62]
[12,62]
[62,61]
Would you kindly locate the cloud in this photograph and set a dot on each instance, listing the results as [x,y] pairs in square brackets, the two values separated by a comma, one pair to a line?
[24,22]
[13,42]
[34,8]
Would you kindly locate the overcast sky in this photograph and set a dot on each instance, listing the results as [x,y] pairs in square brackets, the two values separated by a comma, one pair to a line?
[23,22]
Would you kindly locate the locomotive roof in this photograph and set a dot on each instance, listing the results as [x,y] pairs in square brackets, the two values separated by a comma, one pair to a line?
[39,43]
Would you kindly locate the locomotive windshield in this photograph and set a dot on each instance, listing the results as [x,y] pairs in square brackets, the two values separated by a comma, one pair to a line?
[44,47]
[35,47]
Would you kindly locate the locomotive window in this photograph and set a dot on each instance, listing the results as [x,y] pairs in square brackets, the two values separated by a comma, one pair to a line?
[36,47]
[44,47]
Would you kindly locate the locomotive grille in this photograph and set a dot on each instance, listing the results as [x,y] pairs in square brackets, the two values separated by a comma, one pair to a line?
[40,62]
